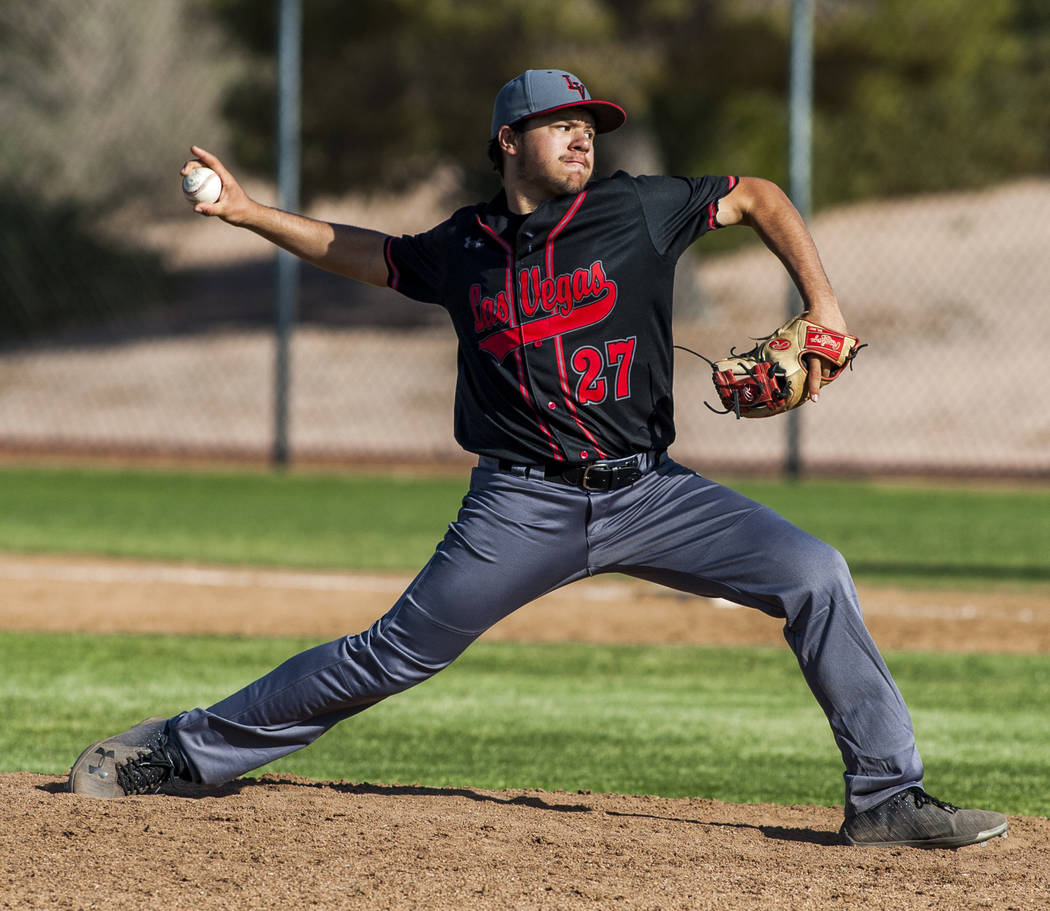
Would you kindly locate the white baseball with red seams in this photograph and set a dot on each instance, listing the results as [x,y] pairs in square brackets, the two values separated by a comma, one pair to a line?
[201,185]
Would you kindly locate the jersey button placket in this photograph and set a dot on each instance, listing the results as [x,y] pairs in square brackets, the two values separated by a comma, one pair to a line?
[541,376]
[540,370]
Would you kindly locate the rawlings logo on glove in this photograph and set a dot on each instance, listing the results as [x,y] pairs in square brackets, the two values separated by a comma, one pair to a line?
[771,377]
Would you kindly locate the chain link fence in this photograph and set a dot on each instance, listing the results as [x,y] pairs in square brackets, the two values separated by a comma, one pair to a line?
[175,356]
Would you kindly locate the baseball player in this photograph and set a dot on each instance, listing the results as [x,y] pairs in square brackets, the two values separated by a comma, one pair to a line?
[560,293]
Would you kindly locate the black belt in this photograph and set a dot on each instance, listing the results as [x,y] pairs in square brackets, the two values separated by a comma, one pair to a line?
[607,474]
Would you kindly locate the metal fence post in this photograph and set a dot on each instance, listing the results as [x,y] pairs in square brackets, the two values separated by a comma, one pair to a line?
[800,170]
[289,67]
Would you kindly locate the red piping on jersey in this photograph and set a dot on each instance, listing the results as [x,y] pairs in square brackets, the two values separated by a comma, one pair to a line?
[558,228]
[560,353]
[395,276]
[559,348]
[509,253]
[712,209]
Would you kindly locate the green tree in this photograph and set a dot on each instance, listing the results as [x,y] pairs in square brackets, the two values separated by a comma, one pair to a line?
[98,100]
[392,88]
[920,97]
[910,95]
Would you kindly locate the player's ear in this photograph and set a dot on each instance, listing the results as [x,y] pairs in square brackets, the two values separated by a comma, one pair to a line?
[509,140]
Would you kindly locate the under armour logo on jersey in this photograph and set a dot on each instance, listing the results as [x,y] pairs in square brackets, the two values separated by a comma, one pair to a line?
[575,86]
[473,243]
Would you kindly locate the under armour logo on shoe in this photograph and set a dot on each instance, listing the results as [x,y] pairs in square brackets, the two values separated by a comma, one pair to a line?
[103,755]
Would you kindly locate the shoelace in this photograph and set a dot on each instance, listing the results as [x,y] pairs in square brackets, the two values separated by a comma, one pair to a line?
[149,771]
[921,798]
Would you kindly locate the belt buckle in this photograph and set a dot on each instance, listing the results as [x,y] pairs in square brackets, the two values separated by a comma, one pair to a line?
[586,475]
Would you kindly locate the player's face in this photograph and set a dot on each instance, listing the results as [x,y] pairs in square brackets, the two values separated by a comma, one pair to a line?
[557,152]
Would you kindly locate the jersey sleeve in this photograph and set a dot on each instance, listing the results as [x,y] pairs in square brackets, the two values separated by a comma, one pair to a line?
[678,210]
[416,264]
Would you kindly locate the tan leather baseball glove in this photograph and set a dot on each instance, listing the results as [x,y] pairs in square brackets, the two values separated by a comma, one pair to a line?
[771,377]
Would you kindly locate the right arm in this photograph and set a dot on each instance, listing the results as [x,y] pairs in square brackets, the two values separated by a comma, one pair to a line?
[765,208]
[354,252]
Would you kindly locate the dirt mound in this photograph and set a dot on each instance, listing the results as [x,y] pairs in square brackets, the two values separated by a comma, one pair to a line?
[281,842]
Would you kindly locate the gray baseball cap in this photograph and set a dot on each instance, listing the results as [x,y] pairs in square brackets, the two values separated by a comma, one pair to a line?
[537,92]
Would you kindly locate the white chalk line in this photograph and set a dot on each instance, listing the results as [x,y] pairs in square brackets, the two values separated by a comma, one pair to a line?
[913,611]
[211,577]
[219,577]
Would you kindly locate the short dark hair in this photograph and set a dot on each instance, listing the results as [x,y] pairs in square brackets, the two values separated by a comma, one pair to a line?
[496,153]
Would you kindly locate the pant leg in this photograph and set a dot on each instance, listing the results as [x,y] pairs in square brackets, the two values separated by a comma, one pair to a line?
[697,536]
[513,541]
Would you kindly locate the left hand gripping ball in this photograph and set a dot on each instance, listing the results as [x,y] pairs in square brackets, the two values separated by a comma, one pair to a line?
[201,185]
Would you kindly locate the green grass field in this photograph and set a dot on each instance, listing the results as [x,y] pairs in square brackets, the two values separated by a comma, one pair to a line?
[736,724]
[931,535]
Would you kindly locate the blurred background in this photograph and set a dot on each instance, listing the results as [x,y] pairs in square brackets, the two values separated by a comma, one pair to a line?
[131,327]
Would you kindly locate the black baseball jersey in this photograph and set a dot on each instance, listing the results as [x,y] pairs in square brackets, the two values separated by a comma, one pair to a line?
[563,316]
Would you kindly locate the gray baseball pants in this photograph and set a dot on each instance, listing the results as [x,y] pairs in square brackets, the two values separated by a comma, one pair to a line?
[519,536]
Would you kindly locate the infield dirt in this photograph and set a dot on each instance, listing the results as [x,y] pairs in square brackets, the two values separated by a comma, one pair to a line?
[280,842]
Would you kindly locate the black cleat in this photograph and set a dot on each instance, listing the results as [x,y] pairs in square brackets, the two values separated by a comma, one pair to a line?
[913,818]
[141,760]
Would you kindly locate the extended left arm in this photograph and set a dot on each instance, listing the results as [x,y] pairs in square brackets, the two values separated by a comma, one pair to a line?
[763,206]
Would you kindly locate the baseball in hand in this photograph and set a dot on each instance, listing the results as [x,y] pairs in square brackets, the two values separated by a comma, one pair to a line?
[201,185]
